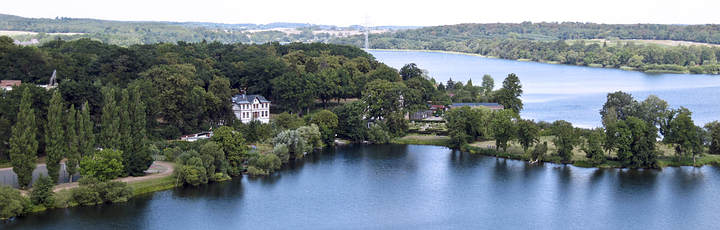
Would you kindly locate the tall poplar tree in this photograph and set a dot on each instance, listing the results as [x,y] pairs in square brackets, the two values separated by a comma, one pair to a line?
[125,126]
[85,135]
[23,143]
[110,133]
[73,142]
[55,138]
[139,157]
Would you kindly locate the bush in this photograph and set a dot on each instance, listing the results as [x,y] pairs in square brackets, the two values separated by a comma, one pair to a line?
[282,151]
[12,203]
[93,192]
[252,171]
[193,175]
[171,153]
[378,134]
[104,165]
[114,191]
[42,192]
[86,196]
[266,162]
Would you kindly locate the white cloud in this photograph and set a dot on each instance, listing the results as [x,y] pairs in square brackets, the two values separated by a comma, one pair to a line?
[380,12]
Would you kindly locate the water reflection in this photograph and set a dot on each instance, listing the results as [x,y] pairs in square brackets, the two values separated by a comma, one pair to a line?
[426,187]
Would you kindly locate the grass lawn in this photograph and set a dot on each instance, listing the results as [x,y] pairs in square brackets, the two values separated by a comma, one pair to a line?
[417,139]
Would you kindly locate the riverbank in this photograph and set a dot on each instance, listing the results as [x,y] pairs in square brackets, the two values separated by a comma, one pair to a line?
[651,69]
[163,180]
[515,152]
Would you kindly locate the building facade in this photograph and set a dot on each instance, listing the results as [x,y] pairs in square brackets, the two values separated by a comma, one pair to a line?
[248,108]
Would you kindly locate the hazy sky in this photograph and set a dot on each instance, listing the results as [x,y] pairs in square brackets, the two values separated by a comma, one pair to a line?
[379,12]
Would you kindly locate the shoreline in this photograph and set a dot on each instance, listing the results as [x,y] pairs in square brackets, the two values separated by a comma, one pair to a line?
[624,68]
[662,161]
[165,180]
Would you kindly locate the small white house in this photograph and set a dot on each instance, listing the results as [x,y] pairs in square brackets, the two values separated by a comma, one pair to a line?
[251,107]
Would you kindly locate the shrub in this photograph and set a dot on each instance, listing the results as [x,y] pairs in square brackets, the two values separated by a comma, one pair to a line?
[104,165]
[253,171]
[378,134]
[42,192]
[114,191]
[193,175]
[282,151]
[86,196]
[93,192]
[12,203]
[266,162]
[171,153]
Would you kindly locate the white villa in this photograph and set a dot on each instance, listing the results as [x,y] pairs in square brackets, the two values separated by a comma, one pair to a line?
[251,107]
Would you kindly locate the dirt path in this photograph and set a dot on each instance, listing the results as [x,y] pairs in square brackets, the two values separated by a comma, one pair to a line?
[163,169]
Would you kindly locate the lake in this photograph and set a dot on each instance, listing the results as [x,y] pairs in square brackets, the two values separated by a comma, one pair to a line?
[417,187]
[565,92]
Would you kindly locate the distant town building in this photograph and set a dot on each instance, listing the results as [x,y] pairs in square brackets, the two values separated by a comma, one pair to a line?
[248,108]
[492,106]
[197,136]
[9,84]
[33,41]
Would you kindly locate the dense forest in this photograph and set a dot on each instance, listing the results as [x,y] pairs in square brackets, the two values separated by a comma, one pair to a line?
[187,86]
[566,43]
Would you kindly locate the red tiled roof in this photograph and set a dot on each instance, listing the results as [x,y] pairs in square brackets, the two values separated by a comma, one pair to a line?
[5,83]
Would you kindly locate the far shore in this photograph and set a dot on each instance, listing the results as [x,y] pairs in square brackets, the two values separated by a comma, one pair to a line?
[626,68]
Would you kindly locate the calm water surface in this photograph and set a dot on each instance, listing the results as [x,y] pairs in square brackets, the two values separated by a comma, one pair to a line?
[418,187]
[564,92]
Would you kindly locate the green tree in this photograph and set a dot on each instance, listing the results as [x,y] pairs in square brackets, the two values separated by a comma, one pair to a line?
[12,203]
[713,128]
[193,172]
[619,106]
[503,127]
[593,147]
[327,121]
[267,163]
[642,147]
[233,144]
[383,98]
[466,125]
[73,143]
[216,159]
[294,91]
[85,134]
[138,159]
[104,165]
[110,121]
[312,136]
[42,192]
[286,120]
[565,139]
[509,95]
[539,151]
[56,139]
[296,144]
[684,135]
[410,71]
[528,133]
[23,143]
[488,83]
[351,123]
[125,128]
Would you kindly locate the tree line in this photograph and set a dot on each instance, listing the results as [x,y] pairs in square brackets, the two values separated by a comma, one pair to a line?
[630,137]
[565,43]
[70,136]
[187,87]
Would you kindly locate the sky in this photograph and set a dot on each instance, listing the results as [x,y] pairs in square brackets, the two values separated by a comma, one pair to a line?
[376,12]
